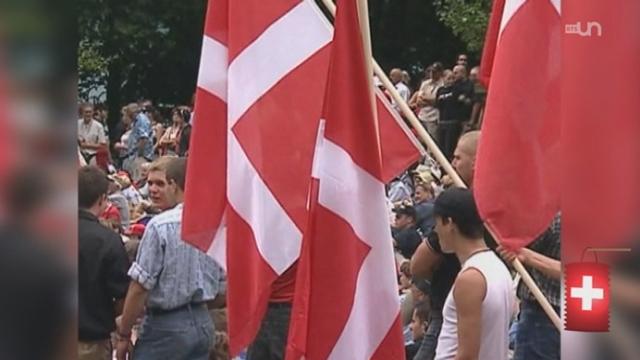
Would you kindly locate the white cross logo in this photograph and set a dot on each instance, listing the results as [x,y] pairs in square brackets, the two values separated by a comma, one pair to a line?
[587,293]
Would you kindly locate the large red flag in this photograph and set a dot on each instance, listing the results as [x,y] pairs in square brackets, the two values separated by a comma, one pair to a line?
[516,182]
[346,304]
[601,124]
[260,89]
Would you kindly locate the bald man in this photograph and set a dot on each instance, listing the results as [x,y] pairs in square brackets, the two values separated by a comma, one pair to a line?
[464,156]
[396,77]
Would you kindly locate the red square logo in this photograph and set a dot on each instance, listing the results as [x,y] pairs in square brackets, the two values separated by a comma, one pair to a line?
[587,297]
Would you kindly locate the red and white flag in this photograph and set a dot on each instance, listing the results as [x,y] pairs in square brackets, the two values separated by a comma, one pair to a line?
[517,171]
[346,304]
[260,90]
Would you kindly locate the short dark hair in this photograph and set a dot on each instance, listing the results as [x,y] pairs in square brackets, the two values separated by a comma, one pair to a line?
[92,184]
[406,209]
[174,168]
[182,112]
[458,205]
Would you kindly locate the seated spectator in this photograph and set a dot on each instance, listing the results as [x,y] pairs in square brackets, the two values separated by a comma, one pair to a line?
[110,218]
[418,326]
[120,202]
[176,139]
[417,294]
[141,183]
[405,276]
[128,190]
[399,191]
[406,300]
[134,233]
[424,199]
[405,232]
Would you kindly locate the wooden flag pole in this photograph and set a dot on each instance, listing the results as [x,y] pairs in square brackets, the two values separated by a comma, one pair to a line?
[442,160]
[365,33]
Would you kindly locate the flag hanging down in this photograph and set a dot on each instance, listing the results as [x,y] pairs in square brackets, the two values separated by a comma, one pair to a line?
[258,103]
[490,41]
[206,180]
[601,171]
[516,183]
[346,304]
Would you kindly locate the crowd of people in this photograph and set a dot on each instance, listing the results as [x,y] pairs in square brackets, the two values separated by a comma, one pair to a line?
[146,293]
[447,102]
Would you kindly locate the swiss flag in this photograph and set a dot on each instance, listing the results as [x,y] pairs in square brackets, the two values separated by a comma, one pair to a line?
[261,84]
[587,296]
[601,125]
[516,181]
[346,305]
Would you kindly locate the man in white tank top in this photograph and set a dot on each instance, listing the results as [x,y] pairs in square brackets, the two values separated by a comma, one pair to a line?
[478,309]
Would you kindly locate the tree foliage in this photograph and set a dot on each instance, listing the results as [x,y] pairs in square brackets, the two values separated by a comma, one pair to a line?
[133,49]
[408,34]
[137,49]
[467,19]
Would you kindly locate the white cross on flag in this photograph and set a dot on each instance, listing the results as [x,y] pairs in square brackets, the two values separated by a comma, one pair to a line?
[258,104]
[346,303]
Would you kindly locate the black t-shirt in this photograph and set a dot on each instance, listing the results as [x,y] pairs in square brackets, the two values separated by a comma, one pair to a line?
[454,102]
[444,276]
[102,277]
[446,102]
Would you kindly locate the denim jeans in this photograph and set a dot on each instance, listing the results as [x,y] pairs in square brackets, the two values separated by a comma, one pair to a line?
[271,340]
[184,334]
[536,338]
[427,349]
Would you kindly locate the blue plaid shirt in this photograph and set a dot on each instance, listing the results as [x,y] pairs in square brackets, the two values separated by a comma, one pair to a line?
[174,272]
[547,244]
[141,130]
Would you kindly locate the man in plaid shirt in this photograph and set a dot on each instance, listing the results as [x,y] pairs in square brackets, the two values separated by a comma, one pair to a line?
[537,338]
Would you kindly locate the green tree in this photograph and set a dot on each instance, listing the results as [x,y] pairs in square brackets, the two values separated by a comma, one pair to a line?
[410,35]
[140,49]
[133,49]
[467,19]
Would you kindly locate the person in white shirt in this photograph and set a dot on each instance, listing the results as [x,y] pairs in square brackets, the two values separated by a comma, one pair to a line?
[91,136]
[396,77]
[478,309]
[425,99]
